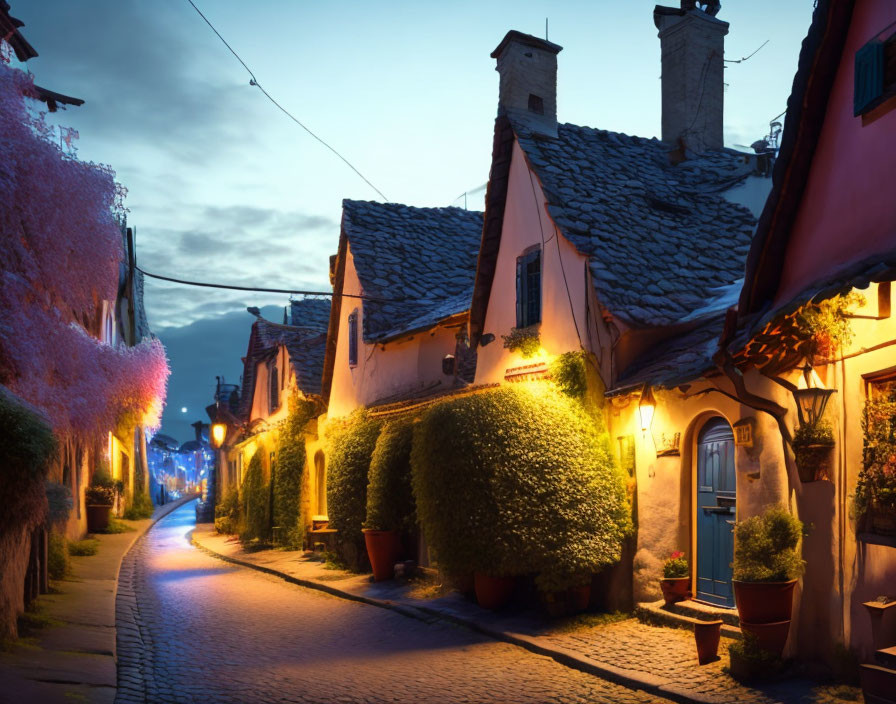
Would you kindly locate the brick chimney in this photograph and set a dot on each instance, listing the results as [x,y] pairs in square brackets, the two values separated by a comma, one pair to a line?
[527,92]
[692,41]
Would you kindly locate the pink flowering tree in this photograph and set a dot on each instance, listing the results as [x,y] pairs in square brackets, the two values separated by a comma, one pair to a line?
[60,248]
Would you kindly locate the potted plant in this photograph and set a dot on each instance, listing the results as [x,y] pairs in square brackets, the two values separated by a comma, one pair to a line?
[99,498]
[767,564]
[564,592]
[812,445]
[676,581]
[493,591]
[390,502]
[875,496]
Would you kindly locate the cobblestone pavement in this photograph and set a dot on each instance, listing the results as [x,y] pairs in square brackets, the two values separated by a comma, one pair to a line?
[192,628]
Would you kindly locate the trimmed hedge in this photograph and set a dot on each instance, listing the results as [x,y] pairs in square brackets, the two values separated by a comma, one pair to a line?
[227,513]
[255,501]
[27,446]
[351,445]
[518,480]
[289,478]
[390,499]
[766,547]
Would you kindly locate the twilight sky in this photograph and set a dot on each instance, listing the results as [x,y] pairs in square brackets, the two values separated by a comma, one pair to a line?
[224,188]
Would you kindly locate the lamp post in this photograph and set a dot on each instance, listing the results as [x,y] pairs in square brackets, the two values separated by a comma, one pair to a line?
[646,407]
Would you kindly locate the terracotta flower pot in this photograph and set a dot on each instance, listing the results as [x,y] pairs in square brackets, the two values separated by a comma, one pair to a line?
[813,462]
[98,517]
[578,598]
[675,589]
[771,637]
[493,592]
[383,549]
[764,602]
[707,635]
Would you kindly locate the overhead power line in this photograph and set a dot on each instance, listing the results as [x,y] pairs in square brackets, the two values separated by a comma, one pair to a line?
[254,82]
[297,292]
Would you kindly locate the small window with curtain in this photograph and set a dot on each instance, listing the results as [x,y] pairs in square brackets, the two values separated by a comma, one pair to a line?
[353,338]
[528,288]
[274,396]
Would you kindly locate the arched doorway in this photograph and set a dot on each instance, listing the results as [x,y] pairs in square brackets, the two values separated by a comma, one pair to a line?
[716,494]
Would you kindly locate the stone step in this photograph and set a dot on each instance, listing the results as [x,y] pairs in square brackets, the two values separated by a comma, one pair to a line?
[685,614]
[878,684]
[886,657]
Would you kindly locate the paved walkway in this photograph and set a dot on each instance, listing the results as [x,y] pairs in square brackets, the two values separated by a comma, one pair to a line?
[72,658]
[659,661]
[203,630]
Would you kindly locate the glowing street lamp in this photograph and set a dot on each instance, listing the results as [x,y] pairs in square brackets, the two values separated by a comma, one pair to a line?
[811,397]
[219,432]
[646,407]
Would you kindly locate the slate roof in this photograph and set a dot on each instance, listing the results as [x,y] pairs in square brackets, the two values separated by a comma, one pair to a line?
[677,360]
[416,265]
[310,313]
[660,237]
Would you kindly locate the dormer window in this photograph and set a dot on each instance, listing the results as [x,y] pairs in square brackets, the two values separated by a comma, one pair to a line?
[274,387]
[353,338]
[536,104]
[528,288]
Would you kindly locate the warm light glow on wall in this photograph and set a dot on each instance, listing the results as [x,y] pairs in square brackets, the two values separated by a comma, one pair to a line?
[646,407]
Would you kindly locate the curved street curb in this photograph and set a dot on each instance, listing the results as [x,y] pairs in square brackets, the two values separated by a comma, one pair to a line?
[568,658]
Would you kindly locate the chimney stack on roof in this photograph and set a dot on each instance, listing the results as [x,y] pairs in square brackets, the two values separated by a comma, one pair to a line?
[692,42]
[527,92]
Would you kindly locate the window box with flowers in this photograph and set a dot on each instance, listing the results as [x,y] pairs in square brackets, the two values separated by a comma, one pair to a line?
[875,497]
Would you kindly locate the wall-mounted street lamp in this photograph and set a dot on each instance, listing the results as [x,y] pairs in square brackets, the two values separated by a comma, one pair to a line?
[646,407]
[219,432]
[811,397]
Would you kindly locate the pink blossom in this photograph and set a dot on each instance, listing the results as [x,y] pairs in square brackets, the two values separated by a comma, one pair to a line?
[60,248]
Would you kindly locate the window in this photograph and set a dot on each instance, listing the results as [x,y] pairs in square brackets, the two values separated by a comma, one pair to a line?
[536,104]
[353,338]
[875,75]
[274,387]
[528,288]
[320,483]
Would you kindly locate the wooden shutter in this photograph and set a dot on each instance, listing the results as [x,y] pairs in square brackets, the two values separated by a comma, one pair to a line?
[353,339]
[528,289]
[869,77]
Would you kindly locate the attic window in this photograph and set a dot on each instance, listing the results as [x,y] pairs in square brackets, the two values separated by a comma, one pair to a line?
[353,338]
[528,288]
[875,75]
[536,104]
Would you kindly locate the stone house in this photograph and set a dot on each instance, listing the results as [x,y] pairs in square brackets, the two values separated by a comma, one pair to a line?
[282,359]
[627,248]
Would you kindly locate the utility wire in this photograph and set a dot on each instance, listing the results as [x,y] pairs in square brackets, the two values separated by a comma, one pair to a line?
[266,290]
[254,82]
[744,58]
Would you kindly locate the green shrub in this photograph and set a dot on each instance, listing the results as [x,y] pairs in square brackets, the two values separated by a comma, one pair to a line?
[83,548]
[518,480]
[227,513]
[99,496]
[27,446]
[141,507]
[58,564]
[570,373]
[676,566]
[115,527]
[289,478]
[255,502]
[766,547]
[526,341]
[390,500]
[351,446]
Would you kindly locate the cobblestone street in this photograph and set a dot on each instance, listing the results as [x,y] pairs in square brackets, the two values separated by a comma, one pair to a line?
[208,631]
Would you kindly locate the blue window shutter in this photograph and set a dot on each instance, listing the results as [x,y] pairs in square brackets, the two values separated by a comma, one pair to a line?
[869,76]
[528,289]
[353,339]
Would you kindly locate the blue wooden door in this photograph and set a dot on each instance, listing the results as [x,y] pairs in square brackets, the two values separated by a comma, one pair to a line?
[715,512]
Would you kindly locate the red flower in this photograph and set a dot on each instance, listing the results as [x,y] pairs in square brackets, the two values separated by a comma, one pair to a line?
[677,554]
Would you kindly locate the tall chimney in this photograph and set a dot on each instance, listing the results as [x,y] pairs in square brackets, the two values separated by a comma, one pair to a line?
[527,91]
[693,50]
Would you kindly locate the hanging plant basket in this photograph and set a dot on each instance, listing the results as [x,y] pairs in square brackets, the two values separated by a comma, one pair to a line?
[883,518]
[813,462]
